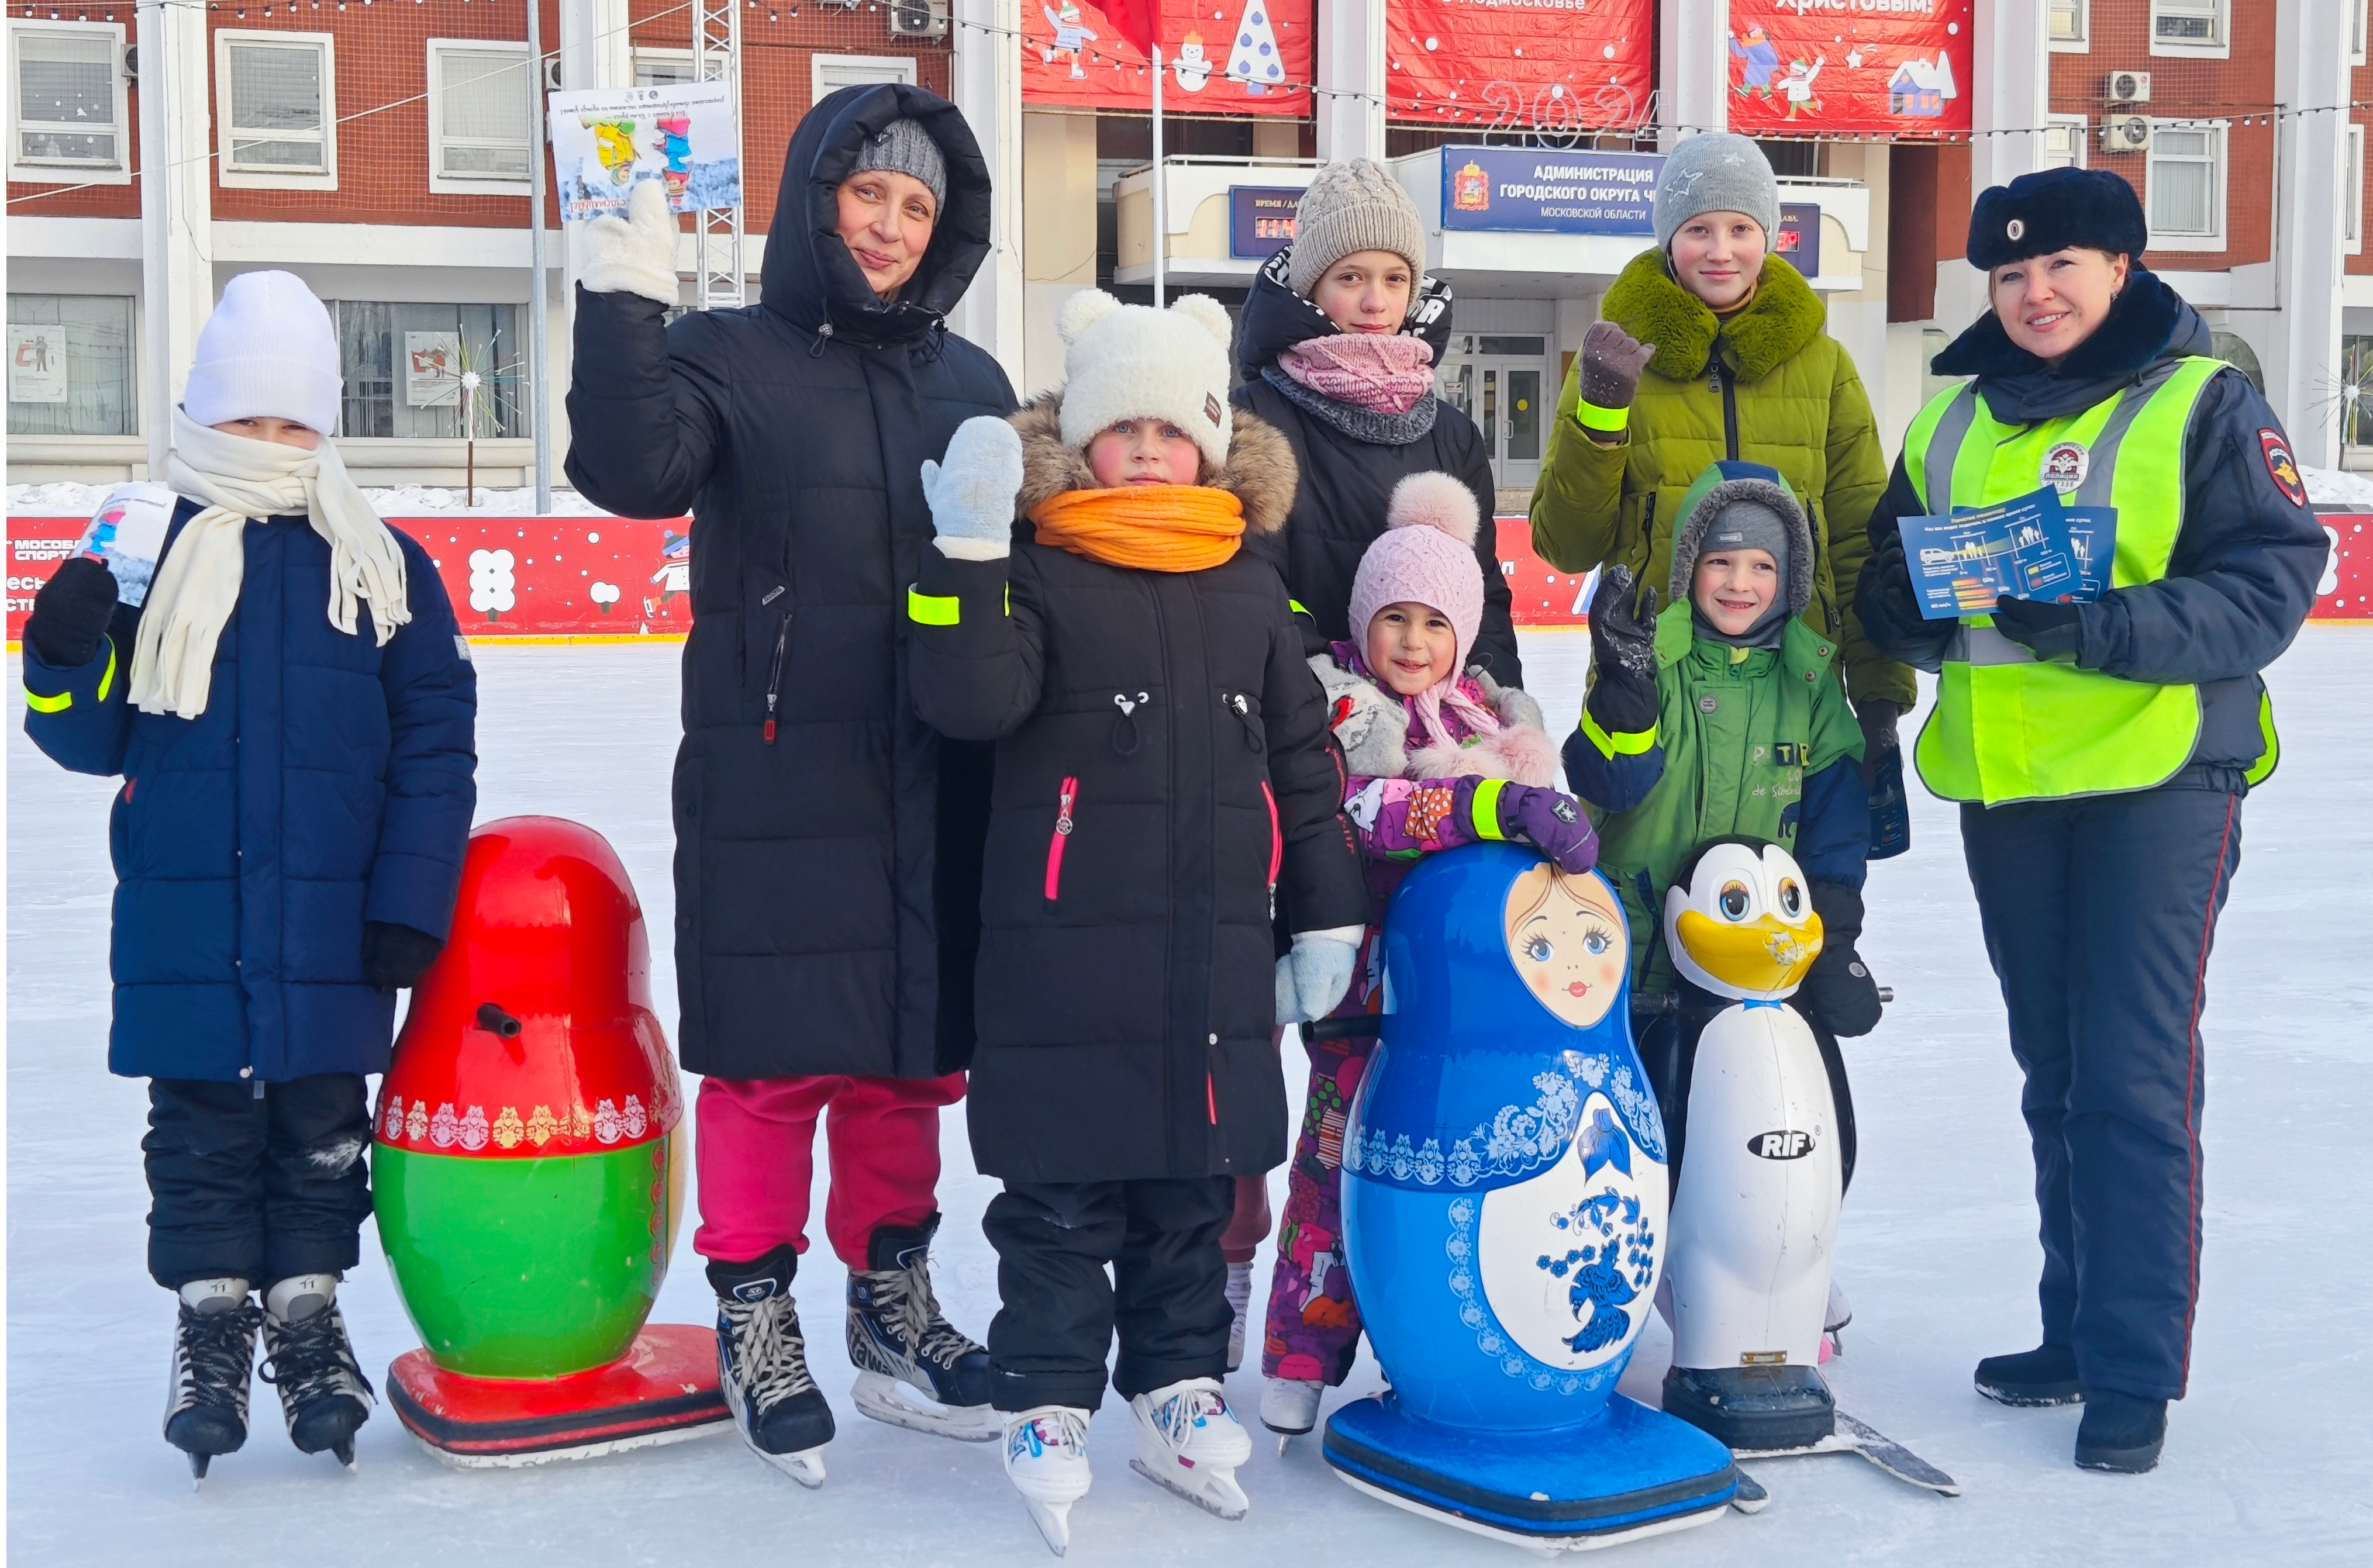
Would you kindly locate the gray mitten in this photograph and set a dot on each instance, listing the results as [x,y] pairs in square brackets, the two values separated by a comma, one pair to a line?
[1510,704]
[971,490]
[634,254]
[1371,728]
[1313,977]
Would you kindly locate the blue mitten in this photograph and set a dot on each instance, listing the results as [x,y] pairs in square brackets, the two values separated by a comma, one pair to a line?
[1313,977]
[972,489]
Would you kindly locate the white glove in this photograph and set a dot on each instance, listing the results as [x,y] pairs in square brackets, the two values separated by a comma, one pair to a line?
[971,494]
[634,254]
[1313,977]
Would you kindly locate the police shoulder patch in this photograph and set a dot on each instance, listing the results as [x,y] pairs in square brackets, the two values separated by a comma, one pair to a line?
[2280,466]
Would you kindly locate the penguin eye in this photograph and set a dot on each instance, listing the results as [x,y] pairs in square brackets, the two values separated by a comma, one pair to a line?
[1733,901]
[1538,949]
[1792,899]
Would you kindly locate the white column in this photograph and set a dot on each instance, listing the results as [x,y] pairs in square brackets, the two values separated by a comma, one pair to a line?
[176,211]
[1692,68]
[2311,147]
[986,82]
[594,52]
[2010,94]
[1351,100]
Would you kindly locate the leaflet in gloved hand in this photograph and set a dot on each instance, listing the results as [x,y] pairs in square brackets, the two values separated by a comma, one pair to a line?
[127,534]
[2029,548]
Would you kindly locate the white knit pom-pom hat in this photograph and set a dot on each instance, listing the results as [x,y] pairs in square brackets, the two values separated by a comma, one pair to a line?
[1426,555]
[1134,362]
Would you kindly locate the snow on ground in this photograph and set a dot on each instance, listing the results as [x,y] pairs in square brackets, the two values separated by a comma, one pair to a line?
[2265,1464]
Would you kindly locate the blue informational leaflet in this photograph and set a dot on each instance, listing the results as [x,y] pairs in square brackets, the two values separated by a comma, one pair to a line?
[2029,548]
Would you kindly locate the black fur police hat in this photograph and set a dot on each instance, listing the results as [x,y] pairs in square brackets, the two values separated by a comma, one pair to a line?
[2051,210]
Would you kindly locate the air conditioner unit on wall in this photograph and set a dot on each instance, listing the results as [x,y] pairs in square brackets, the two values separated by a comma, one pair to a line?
[918,19]
[2128,87]
[2126,134]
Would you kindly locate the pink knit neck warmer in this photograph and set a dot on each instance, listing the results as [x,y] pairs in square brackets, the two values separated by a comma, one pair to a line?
[1370,370]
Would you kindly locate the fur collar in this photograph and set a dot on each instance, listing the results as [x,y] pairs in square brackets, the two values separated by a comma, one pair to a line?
[2148,321]
[1259,472]
[1784,316]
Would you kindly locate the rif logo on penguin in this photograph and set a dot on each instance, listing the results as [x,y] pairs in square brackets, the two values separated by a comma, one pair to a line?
[1783,1145]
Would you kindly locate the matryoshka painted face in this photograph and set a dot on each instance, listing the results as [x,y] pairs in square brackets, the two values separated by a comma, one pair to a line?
[1568,941]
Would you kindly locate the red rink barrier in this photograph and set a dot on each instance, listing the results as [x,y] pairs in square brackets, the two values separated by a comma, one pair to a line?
[604,578]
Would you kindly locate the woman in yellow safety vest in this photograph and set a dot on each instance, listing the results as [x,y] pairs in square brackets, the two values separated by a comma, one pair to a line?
[2100,747]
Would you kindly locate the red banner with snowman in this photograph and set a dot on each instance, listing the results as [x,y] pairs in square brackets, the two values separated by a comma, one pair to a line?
[1550,66]
[1223,57]
[1862,67]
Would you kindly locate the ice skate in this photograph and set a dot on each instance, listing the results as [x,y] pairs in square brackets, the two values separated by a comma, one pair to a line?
[898,1342]
[1290,1407]
[1240,1303]
[214,1350]
[1188,1441]
[323,1394]
[1046,1459]
[762,1366]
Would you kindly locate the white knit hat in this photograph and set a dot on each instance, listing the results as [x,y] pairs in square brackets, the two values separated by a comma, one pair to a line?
[1134,362]
[267,351]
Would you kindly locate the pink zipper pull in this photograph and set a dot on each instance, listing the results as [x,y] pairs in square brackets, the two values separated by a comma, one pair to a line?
[1066,797]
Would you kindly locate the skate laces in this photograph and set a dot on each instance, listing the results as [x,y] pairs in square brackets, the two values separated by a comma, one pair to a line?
[1177,1417]
[768,1347]
[310,1360]
[906,1296]
[1059,1432]
[217,1352]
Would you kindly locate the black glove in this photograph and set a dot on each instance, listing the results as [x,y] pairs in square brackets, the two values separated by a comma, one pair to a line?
[71,613]
[1622,655]
[395,956]
[1884,600]
[1838,995]
[2052,633]
[1876,715]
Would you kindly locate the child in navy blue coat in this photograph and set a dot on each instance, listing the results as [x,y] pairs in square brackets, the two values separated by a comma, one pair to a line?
[293,713]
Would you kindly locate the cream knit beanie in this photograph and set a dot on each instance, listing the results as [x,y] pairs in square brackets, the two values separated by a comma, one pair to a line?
[1353,205]
[1134,362]
[267,351]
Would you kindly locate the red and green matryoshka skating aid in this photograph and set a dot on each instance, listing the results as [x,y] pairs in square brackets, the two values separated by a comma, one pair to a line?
[529,1170]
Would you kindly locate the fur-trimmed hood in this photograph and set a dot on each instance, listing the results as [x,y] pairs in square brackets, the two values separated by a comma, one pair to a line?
[1784,315]
[1721,485]
[2148,323]
[1372,726]
[1260,471]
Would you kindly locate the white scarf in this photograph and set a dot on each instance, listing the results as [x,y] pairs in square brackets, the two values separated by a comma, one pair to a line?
[197,584]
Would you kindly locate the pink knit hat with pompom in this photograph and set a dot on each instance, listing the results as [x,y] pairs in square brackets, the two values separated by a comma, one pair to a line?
[1426,555]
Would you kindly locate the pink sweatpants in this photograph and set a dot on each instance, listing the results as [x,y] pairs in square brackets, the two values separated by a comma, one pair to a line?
[756,1148]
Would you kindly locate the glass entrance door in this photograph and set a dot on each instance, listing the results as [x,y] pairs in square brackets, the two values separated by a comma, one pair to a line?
[1496,382]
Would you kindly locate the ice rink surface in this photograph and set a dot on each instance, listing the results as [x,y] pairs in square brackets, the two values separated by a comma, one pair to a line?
[2267,1459]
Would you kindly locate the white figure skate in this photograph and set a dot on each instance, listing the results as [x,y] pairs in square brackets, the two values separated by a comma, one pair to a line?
[1046,1459]
[1190,1442]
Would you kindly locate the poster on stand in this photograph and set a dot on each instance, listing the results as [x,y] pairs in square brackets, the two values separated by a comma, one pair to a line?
[1223,57]
[605,140]
[1898,68]
[1554,67]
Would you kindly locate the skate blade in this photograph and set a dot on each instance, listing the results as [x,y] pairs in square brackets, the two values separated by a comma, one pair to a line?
[1214,1491]
[1750,1497]
[1853,1438]
[806,1466]
[1054,1522]
[889,1400]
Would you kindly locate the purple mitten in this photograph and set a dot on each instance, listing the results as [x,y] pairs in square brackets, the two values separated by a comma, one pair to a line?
[1551,822]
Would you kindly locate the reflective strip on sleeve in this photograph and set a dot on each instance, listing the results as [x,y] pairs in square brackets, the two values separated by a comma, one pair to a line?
[1484,809]
[932,610]
[1612,745]
[1608,421]
[107,676]
[1299,608]
[41,704]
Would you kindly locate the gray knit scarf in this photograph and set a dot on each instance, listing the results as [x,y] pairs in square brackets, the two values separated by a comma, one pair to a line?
[1360,423]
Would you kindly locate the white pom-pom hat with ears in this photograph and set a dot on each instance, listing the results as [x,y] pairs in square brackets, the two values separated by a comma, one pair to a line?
[1426,555]
[1134,362]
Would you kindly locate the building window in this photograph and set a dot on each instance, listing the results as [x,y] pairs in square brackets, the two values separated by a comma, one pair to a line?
[2070,24]
[277,115]
[478,117]
[2064,140]
[2186,186]
[2351,201]
[830,73]
[663,68]
[70,365]
[2356,22]
[70,124]
[2191,27]
[405,364]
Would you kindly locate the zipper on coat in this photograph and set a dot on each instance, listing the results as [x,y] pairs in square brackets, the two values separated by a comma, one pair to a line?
[1066,798]
[1729,389]
[1210,1096]
[775,667]
[1276,845]
[1241,705]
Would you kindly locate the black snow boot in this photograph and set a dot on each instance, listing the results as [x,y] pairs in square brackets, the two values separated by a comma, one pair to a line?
[1757,1409]
[2121,1432]
[761,1361]
[214,1354]
[2046,1375]
[323,1395]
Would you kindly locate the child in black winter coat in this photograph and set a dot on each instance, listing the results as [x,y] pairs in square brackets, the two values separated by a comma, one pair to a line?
[1163,766]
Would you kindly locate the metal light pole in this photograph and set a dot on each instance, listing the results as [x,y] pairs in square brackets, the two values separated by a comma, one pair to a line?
[537,350]
[1161,223]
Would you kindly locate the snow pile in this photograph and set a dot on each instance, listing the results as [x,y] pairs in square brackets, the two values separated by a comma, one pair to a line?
[66,499]
[2332,487]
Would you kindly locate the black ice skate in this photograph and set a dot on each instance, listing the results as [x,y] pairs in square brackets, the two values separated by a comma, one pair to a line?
[898,1340]
[214,1350]
[762,1365]
[308,1358]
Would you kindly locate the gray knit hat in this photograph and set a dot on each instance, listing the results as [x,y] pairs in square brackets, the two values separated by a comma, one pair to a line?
[1355,206]
[902,147]
[1718,171]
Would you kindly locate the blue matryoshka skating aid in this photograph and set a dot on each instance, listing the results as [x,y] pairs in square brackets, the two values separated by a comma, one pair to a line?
[1504,1201]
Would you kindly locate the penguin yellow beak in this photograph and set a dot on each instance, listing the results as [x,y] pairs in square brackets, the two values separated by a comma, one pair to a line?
[1762,956]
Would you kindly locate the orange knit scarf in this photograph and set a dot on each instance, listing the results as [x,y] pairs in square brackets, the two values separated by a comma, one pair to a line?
[1149,528]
